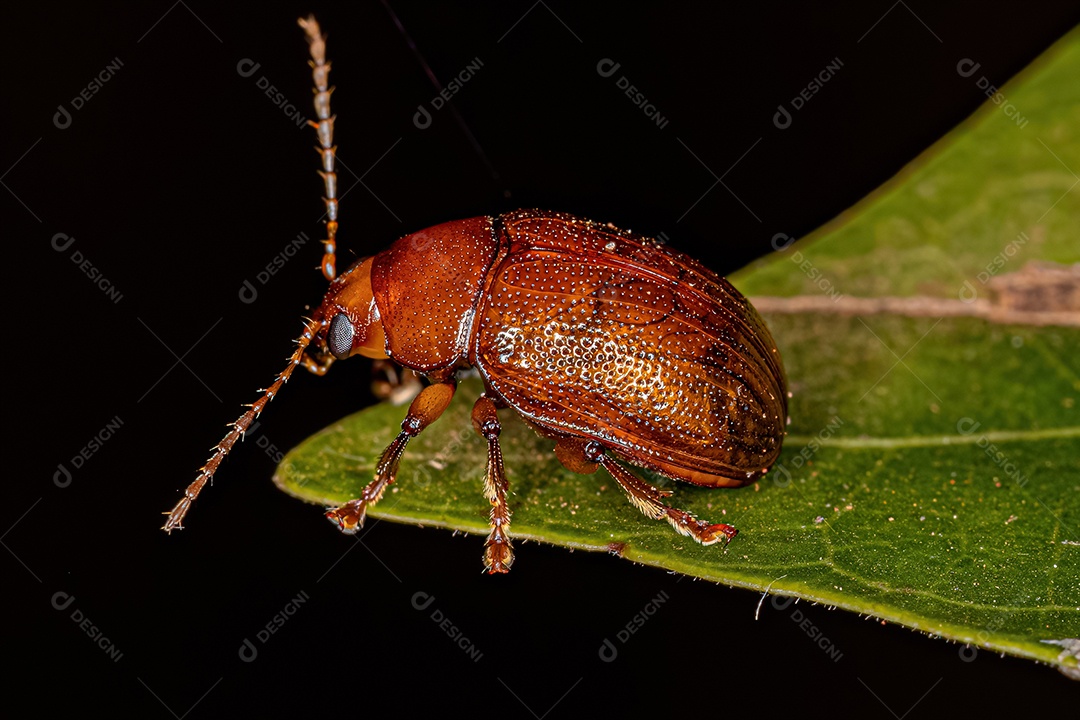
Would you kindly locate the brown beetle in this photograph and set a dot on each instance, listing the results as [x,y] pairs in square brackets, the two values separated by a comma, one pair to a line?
[614,345]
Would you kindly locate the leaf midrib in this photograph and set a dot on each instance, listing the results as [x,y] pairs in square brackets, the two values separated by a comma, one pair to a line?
[1070,431]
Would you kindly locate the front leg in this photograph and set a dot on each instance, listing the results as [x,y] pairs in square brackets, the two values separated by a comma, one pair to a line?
[498,552]
[425,409]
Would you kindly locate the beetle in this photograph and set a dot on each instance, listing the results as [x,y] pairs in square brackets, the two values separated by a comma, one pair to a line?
[612,344]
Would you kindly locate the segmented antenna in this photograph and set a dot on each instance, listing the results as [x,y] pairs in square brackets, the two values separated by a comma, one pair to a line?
[325,130]
[206,473]
[320,71]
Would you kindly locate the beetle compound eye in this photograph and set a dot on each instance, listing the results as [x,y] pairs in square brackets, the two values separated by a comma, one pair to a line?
[340,337]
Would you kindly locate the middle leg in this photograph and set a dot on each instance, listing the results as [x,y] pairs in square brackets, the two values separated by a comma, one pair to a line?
[498,551]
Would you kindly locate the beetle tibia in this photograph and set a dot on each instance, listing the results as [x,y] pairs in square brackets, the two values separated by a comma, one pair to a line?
[498,550]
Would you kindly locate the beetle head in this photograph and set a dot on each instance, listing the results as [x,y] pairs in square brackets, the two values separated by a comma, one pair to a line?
[347,323]
[350,316]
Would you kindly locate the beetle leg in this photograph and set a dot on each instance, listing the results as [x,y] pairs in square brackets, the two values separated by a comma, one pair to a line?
[425,409]
[317,366]
[394,383]
[498,551]
[650,501]
[570,451]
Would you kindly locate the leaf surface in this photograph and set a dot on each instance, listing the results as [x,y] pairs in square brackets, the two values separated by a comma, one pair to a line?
[931,475]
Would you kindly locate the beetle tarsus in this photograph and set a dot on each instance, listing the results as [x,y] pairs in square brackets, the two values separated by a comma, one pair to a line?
[176,516]
[498,555]
[701,530]
[722,529]
[348,518]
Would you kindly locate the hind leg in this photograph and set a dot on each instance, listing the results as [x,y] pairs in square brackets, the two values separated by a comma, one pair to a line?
[584,457]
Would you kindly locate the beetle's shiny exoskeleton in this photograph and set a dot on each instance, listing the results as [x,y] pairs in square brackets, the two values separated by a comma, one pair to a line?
[611,344]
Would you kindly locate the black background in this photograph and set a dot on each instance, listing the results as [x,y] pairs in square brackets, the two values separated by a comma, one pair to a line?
[179,179]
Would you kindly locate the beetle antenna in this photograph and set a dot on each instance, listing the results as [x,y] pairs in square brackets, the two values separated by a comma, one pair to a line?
[206,473]
[324,128]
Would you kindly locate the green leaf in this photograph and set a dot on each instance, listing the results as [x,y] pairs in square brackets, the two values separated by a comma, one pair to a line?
[931,476]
